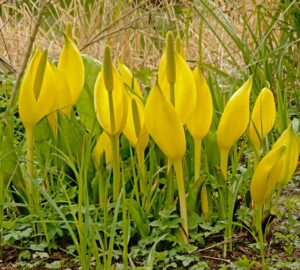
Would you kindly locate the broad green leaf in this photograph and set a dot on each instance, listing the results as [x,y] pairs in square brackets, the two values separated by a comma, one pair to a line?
[85,104]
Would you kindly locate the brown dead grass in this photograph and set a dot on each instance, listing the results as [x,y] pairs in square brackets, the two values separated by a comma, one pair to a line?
[123,26]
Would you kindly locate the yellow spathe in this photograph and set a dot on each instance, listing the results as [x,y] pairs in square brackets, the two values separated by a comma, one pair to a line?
[37,90]
[290,158]
[184,86]
[262,117]
[164,125]
[235,118]
[200,120]
[71,65]
[264,178]
[101,102]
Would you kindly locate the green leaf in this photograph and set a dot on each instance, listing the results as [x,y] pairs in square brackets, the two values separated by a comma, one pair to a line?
[54,265]
[85,104]
[139,217]
[9,163]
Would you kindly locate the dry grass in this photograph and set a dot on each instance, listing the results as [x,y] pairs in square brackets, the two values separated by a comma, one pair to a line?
[135,32]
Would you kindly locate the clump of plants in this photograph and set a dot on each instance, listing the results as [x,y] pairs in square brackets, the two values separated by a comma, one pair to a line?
[113,165]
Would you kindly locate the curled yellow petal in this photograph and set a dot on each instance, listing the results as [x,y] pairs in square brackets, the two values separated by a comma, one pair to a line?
[235,118]
[263,181]
[262,117]
[200,120]
[71,65]
[184,86]
[164,125]
[102,104]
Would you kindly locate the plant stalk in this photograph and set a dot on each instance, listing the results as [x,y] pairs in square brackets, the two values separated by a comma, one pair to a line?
[182,198]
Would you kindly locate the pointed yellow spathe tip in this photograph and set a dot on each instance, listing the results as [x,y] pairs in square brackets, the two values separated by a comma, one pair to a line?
[235,118]
[71,66]
[262,117]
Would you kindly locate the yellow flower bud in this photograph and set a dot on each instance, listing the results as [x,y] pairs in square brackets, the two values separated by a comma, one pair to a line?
[235,118]
[262,118]
[71,66]
[234,121]
[200,120]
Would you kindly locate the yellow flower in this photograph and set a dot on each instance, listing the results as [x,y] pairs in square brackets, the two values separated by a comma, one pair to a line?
[103,145]
[184,84]
[290,158]
[262,118]
[37,92]
[234,121]
[164,125]
[103,106]
[71,66]
[200,120]
[134,129]
[69,78]
[264,178]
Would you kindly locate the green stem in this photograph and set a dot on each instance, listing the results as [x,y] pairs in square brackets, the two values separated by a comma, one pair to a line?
[224,162]
[142,170]
[29,151]
[258,216]
[30,168]
[182,197]
[203,192]
[204,200]
[115,149]
[125,225]
[116,166]
[279,191]
[197,150]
